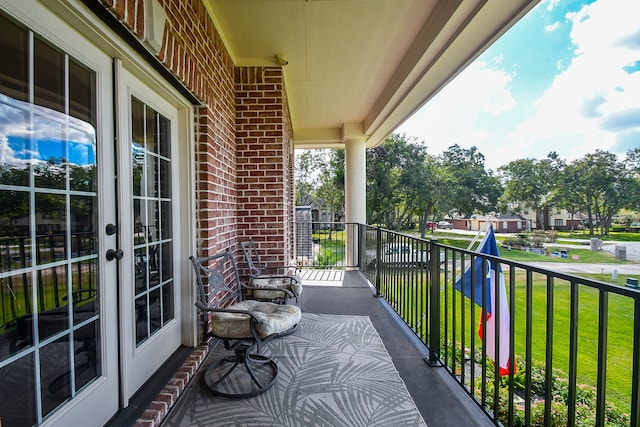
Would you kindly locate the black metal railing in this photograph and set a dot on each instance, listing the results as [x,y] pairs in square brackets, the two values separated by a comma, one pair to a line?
[563,358]
[324,245]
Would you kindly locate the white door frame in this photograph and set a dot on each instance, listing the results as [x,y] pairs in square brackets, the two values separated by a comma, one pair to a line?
[73,24]
[99,398]
[140,362]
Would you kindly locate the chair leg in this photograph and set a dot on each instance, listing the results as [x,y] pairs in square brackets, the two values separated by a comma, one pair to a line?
[259,374]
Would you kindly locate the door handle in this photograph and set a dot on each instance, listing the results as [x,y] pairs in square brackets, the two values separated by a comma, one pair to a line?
[114,254]
[111,229]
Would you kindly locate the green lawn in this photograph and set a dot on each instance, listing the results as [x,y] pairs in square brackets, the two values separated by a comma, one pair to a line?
[332,247]
[410,303]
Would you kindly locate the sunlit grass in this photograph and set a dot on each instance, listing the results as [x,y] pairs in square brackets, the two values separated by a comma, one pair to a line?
[408,295]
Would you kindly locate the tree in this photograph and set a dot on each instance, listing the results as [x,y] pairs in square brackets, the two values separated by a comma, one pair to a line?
[600,181]
[529,182]
[473,188]
[566,194]
[307,165]
[329,193]
[320,180]
[632,165]
[395,179]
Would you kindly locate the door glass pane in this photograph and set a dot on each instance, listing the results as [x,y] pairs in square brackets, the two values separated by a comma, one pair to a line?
[84,295]
[50,145]
[142,320]
[151,130]
[82,160]
[87,359]
[81,93]
[51,227]
[55,366]
[14,45]
[48,228]
[164,179]
[53,301]
[83,226]
[164,140]
[17,392]
[15,230]
[16,334]
[152,219]
[49,76]
[15,153]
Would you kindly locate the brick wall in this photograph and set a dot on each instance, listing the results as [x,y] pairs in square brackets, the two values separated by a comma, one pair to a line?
[245,183]
[265,170]
[242,143]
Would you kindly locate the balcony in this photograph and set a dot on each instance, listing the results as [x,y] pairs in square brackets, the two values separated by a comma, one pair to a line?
[562,332]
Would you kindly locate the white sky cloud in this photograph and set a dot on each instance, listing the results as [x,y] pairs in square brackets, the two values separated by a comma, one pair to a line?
[450,118]
[594,89]
[589,104]
[552,27]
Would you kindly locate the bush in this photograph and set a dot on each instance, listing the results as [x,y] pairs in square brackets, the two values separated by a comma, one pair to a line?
[585,400]
[534,240]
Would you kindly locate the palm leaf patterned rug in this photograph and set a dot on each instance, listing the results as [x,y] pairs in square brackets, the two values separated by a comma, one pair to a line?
[334,371]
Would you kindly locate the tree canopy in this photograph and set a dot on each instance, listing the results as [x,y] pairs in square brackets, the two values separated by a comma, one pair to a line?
[407,186]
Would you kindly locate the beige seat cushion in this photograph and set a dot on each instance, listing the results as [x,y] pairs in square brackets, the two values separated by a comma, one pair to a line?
[274,318]
[294,286]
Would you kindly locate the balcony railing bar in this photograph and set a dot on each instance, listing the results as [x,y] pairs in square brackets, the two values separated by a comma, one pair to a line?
[549,347]
[512,340]
[603,317]
[635,394]
[417,277]
[528,344]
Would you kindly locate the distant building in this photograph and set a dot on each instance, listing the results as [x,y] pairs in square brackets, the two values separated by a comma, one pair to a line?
[502,223]
[559,219]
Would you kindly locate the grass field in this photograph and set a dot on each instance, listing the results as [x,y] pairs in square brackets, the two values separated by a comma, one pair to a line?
[409,300]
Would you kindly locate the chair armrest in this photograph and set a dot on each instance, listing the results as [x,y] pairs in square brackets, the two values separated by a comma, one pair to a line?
[269,288]
[226,310]
[295,268]
[274,276]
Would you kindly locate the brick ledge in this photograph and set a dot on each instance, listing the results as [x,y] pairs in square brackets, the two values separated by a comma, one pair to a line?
[158,409]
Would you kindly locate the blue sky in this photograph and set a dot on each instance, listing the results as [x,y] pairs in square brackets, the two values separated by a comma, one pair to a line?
[566,78]
[21,142]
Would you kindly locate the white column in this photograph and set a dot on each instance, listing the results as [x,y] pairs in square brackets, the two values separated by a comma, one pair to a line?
[355,204]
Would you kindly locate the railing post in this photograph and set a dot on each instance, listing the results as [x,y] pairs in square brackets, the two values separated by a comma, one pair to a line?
[362,240]
[378,259]
[434,304]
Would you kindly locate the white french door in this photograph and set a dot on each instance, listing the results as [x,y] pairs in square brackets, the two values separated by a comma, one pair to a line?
[58,293]
[149,212]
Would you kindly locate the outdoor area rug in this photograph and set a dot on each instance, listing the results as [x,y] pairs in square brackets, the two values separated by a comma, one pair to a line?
[334,371]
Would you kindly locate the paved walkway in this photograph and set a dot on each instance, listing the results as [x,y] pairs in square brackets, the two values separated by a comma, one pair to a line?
[632,249]
[633,269]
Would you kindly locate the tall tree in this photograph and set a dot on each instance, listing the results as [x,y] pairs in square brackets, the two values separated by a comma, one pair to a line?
[395,175]
[632,164]
[601,182]
[306,175]
[474,189]
[329,192]
[434,194]
[529,182]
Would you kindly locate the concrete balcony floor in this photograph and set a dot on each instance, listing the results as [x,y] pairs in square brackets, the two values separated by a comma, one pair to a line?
[440,400]
[438,397]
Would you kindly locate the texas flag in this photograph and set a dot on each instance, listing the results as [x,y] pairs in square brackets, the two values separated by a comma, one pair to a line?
[489,274]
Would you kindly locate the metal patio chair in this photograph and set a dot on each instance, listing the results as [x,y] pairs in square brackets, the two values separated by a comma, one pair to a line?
[263,279]
[244,327]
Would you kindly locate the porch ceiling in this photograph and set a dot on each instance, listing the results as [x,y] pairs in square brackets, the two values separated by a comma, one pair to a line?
[359,68]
